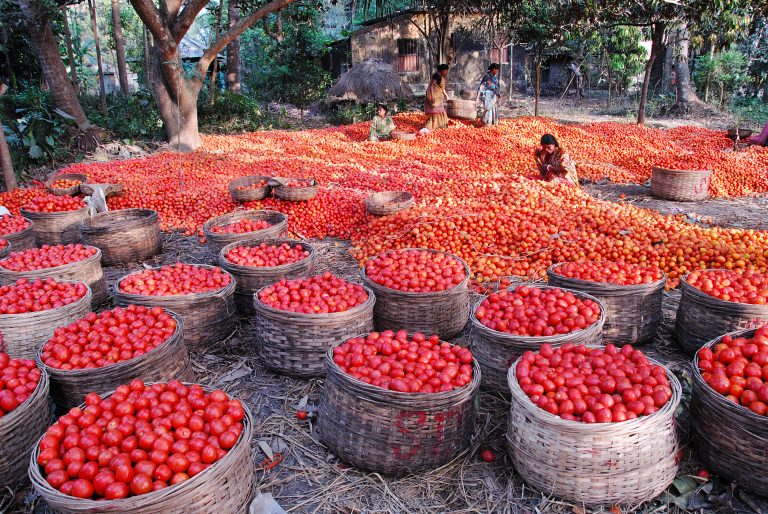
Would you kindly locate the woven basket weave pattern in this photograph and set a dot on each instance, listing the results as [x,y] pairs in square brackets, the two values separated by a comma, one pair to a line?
[124,236]
[23,240]
[6,251]
[249,195]
[296,194]
[56,228]
[680,185]
[388,202]
[65,191]
[394,433]
[593,464]
[464,109]
[216,242]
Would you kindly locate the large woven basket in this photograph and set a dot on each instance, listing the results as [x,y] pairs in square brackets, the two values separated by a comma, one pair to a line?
[632,313]
[388,202]
[23,240]
[87,271]
[65,191]
[217,241]
[496,351]
[394,433]
[124,236]
[20,430]
[226,487]
[733,133]
[294,194]
[680,185]
[208,317]
[702,317]
[5,251]
[251,194]
[24,333]
[294,344]
[593,464]
[443,313]
[729,438]
[250,279]
[463,109]
[168,361]
[56,228]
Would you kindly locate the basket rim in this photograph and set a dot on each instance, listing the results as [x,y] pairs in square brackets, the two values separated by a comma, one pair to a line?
[207,294]
[88,223]
[31,215]
[63,267]
[278,182]
[232,184]
[264,309]
[686,287]
[226,263]
[86,298]
[631,287]
[43,383]
[22,231]
[262,214]
[669,170]
[64,176]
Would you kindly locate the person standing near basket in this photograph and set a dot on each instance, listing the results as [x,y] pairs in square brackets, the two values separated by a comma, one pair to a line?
[554,164]
[382,125]
[436,98]
[488,95]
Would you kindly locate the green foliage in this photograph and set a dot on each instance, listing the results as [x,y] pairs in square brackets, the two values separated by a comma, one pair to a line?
[727,70]
[128,117]
[231,113]
[751,112]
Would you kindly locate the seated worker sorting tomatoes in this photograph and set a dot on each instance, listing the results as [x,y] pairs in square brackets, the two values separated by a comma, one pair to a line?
[554,164]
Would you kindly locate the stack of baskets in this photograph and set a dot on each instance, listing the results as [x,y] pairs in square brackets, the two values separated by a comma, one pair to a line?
[124,236]
[216,241]
[680,185]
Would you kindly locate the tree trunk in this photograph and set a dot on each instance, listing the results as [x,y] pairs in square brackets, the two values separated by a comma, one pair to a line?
[70,51]
[6,165]
[686,94]
[122,68]
[99,63]
[233,50]
[178,108]
[537,92]
[669,62]
[44,42]
[147,60]
[610,81]
[215,68]
[657,34]
[511,69]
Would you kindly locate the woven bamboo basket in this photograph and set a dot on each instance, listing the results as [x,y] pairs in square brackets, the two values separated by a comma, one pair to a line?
[496,351]
[294,344]
[680,185]
[168,361]
[124,236]
[388,202]
[294,194]
[443,313]
[87,271]
[729,438]
[65,191]
[5,251]
[208,317]
[701,317]
[109,189]
[226,487]
[400,135]
[23,240]
[249,195]
[24,333]
[593,464]
[394,433]
[463,109]
[56,228]
[20,430]
[632,313]
[741,133]
[250,279]
[216,241]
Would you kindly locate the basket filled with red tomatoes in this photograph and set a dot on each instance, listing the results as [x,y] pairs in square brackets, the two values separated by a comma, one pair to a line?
[65,184]
[630,294]
[100,351]
[297,321]
[717,301]
[243,225]
[32,309]
[729,407]
[419,290]
[512,321]
[56,219]
[294,189]
[593,425]
[162,447]
[201,295]
[25,413]
[250,189]
[398,403]
[256,263]
[66,262]
[17,230]
[680,185]
[124,236]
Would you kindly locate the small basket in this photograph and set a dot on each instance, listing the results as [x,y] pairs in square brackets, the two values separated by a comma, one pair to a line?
[109,189]
[293,343]
[65,191]
[729,438]
[593,464]
[462,109]
[56,228]
[680,185]
[249,195]
[207,317]
[294,194]
[388,202]
[702,317]
[19,431]
[443,313]
[632,312]
[394,433]
[226,487]
[250,279]
[496,351]
[124,236]
[216,241]
[741,133]
[23,240]
[400,135]
[88,271]
[168,361]
[24,333]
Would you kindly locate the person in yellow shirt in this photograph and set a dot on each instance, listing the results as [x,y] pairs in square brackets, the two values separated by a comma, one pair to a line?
[381,125]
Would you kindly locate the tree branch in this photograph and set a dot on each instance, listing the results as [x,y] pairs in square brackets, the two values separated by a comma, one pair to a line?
[153,20]
[186,18]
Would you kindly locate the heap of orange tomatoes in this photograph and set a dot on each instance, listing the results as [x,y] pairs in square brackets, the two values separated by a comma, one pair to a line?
[732,286]
[320,294]
[416,271]
[176,279]
[609,272]
[267,255]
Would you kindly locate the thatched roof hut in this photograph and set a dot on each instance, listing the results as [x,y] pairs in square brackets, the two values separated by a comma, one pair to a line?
[372,80]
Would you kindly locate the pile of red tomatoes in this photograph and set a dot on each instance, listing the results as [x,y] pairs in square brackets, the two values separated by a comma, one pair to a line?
[416,271]
[267,255]
[242,227]
[12,224]
[610,272]
[320,294]
[176,279]
[298,182]
[255,185]
[18,380]
[53,203]
[65,183]
[39,295]
[746,286]
[47,257]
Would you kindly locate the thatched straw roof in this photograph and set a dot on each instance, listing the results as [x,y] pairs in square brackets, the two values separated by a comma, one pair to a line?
[370,81]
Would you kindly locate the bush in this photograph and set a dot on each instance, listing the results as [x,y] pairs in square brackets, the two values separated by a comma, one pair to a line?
[129,117]
[233,112]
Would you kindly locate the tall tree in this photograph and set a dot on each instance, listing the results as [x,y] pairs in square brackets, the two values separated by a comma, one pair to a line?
[117,28]
[70,52]
[686,93]
[6,165]
[233,49]
[99,62]
[215,70]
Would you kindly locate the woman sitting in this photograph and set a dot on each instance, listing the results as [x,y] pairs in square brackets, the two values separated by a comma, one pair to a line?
[554,164]
[381,125]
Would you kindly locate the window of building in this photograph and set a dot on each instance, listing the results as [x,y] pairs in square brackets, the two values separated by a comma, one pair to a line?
[407,55]
[500,57]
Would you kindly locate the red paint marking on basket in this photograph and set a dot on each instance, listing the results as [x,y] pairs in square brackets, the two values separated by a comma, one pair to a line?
[406,452]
